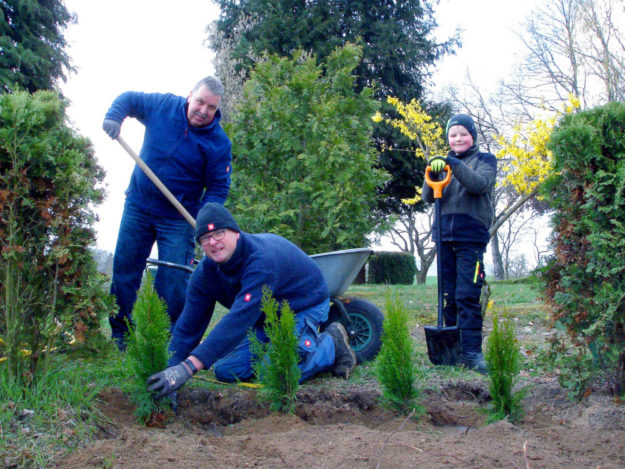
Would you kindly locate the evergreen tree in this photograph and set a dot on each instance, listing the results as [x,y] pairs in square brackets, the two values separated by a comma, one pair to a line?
[398,53]
[398,49]
[303,153]
[32,45]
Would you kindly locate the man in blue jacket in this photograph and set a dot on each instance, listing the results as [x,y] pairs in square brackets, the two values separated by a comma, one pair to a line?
[234,271]
[185,146]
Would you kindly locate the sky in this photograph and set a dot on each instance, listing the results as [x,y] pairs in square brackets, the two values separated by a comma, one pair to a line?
[152,46]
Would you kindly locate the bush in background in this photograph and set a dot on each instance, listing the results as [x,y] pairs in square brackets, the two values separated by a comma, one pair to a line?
[394,268]
[585,280]
[49,184]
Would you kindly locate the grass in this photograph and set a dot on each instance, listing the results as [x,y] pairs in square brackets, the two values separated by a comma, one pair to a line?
[64,411]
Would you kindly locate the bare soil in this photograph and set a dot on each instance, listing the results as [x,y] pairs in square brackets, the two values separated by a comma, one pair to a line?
[341,424]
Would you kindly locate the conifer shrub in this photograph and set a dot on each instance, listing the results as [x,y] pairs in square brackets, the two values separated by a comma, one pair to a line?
[275,361]
[503,356]
[585,280]
[146,352]
[394,268]
[394,366]
[50,290]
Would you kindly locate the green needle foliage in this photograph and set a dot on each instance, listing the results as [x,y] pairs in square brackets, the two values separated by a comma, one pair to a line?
[146,351]
[276,361]
[50,184]
[395,365]
[503,356]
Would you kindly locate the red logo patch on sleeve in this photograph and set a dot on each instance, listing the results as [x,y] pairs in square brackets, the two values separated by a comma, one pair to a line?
[307,343]
[227,169]
[248,297]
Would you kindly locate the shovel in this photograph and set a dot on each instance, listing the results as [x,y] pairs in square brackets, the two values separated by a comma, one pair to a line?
[442,342]
[157,182]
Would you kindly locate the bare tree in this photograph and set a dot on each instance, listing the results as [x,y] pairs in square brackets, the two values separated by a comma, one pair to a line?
[413,233]
[508,235]
[574,47]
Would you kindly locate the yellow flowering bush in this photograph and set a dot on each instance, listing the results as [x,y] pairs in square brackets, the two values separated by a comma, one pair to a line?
[527,160]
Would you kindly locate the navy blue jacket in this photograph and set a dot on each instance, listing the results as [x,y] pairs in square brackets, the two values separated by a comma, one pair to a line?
[467,205]
[258,260]
[194,163]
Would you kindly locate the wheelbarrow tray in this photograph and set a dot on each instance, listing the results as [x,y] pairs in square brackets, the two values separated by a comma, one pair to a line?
[340,268]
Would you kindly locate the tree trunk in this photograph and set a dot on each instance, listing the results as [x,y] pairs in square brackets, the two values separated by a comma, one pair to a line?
[498,267]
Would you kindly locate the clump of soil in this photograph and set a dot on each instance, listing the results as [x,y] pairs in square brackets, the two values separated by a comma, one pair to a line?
[344,426]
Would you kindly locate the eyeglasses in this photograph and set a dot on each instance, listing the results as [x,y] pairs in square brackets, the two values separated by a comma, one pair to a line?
[216,235]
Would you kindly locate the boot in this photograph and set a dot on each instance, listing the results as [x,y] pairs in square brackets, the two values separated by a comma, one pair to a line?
[471,351]
[345,358]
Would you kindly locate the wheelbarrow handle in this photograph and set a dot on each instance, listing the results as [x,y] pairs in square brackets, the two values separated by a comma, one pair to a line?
[437,186]
[157,182]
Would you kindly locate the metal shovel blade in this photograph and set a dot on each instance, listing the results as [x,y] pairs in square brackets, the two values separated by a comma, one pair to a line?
[443,345]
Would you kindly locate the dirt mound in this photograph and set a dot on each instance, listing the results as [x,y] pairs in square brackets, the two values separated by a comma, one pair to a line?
[348,428]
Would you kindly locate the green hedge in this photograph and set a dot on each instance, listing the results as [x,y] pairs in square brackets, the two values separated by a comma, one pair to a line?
[392,268]
[585,280]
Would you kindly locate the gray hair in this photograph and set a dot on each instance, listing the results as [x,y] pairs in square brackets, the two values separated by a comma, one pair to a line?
[212,84]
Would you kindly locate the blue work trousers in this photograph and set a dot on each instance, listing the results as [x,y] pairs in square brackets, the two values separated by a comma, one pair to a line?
[316,350]
[138,232]
[462,274]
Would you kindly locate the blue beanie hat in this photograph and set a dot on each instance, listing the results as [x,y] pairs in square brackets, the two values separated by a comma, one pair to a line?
[211,217]
[465,121]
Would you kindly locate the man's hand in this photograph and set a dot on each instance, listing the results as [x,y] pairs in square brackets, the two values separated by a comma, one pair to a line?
[167,381]
[112,128]
[437,164]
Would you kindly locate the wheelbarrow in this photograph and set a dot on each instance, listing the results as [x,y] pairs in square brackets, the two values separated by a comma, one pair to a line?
[362,319]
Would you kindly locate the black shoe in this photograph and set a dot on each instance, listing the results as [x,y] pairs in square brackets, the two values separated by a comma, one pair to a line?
[474,361]
[344,356]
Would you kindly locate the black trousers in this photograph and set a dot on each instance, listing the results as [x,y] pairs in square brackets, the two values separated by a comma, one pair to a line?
[463,278]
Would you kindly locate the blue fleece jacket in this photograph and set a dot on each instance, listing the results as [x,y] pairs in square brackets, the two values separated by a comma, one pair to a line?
[194,163]
[467,207]
[258,260]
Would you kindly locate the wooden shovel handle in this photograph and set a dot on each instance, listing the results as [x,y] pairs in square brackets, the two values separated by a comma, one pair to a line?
[157,182]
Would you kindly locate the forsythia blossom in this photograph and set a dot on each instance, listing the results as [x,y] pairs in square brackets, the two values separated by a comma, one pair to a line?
[527,161]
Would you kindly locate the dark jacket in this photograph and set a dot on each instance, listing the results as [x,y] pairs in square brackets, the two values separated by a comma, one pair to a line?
[194,163]
[258,260]
[467,206]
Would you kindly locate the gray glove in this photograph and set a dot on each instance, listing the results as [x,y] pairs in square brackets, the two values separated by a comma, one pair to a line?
[167,381]
[112,128]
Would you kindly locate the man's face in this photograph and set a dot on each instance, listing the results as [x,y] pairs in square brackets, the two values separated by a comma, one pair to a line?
[202,107]
[459,138]
[219,245]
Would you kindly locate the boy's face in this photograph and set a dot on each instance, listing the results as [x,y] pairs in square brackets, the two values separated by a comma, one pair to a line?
[459,139]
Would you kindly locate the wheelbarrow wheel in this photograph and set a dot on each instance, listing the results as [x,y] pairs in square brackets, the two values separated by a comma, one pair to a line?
[365,330]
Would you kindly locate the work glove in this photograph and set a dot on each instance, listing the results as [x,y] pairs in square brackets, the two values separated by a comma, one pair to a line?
[112,128]
[167,381]
[437,164]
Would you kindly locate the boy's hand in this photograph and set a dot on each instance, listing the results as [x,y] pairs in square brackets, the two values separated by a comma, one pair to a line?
[437,164]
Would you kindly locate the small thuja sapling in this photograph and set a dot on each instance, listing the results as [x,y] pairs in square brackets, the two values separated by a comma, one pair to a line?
[503,356]
[395,367]
[146,353]
[275,360]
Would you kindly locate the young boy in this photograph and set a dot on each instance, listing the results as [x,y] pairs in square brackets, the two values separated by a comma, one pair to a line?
[466,216]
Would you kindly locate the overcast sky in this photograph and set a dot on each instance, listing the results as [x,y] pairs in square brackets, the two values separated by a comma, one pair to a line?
[158,46]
